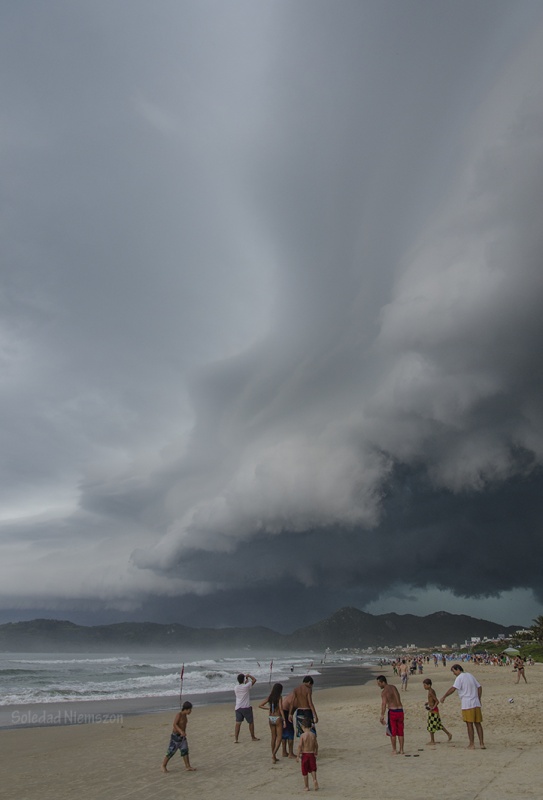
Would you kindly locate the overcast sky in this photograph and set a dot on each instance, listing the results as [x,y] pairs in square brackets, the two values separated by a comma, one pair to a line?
[271,283]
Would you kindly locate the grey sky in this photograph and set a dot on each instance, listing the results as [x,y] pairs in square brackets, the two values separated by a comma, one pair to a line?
[270,296]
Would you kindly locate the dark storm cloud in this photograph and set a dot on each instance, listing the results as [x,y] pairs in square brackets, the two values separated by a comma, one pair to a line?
[271,302]
[423,532]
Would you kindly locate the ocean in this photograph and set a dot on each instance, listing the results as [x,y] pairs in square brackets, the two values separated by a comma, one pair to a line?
[46,688]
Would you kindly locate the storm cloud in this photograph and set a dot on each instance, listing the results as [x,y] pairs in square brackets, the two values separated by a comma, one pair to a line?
[271,307]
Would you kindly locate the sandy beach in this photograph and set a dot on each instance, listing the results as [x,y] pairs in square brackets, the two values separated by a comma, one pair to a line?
[121,759]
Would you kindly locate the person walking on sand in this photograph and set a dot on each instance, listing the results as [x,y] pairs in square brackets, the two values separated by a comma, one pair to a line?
[434,717]
[469,691]
[302,702]
[390,699]
[274,706]
[244,709]
[307,754]
[178,739]
[403,670]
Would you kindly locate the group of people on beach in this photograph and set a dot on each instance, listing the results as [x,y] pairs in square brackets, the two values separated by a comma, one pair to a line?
[296,709]
[284,713]
[288,716]
[469,691]
[295,716]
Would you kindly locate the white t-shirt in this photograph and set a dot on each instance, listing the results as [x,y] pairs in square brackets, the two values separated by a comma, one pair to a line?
[466,686]
[243,694]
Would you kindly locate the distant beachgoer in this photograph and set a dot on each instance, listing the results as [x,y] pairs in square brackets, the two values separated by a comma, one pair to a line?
[244,710]
[403,671]
[390,699]
[274,705]
[178,738]
[307,754]
[519,666]
[434,717]
[302,703]
[287,740]
[469,691]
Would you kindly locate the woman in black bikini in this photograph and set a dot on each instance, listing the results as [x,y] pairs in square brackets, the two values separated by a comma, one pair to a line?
[274,706]
[519,666]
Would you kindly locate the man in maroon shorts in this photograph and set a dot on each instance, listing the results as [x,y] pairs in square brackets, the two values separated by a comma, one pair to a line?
[390,699]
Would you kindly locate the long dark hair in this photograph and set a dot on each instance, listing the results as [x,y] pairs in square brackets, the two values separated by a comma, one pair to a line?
[275,694]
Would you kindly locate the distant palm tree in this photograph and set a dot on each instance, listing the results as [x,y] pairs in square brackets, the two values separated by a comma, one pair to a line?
[537,628]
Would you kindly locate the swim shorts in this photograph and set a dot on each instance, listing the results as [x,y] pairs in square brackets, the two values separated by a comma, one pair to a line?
[309,763]
[288,728]
[304,714]
[244,713]
[472,714]
[434,722]
[177,742]
[395,722]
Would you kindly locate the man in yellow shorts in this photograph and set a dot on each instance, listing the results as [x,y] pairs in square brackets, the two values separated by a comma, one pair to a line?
[469,691]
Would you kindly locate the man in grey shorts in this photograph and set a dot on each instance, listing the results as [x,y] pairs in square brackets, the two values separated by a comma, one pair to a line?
[244,710]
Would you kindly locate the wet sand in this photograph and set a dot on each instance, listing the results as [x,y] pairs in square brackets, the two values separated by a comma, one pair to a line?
[121,760]
[79,712]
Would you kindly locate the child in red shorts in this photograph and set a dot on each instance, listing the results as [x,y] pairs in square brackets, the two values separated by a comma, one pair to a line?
[307,754]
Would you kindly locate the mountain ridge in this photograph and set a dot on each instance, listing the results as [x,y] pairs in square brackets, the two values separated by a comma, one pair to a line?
[351,628]
[347,628]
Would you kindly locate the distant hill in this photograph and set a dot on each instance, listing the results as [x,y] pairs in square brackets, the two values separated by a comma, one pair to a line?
[50,635]
[347,628]
[352,628]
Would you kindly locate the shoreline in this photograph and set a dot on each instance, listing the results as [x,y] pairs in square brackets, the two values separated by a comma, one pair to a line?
[81,712]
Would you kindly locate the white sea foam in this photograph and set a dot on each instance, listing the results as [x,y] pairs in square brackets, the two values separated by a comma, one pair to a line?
[118,659]
[28,678]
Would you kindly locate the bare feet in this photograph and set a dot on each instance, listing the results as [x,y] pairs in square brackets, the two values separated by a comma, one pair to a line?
[316,786]
[483,747]
[450,736]
[190,769]
[164,769]
[255,739]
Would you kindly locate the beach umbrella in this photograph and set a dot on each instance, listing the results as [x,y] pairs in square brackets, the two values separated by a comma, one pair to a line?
[511,651]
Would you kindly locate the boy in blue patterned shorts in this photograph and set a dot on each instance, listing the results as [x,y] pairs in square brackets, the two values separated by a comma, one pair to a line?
[178,739]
